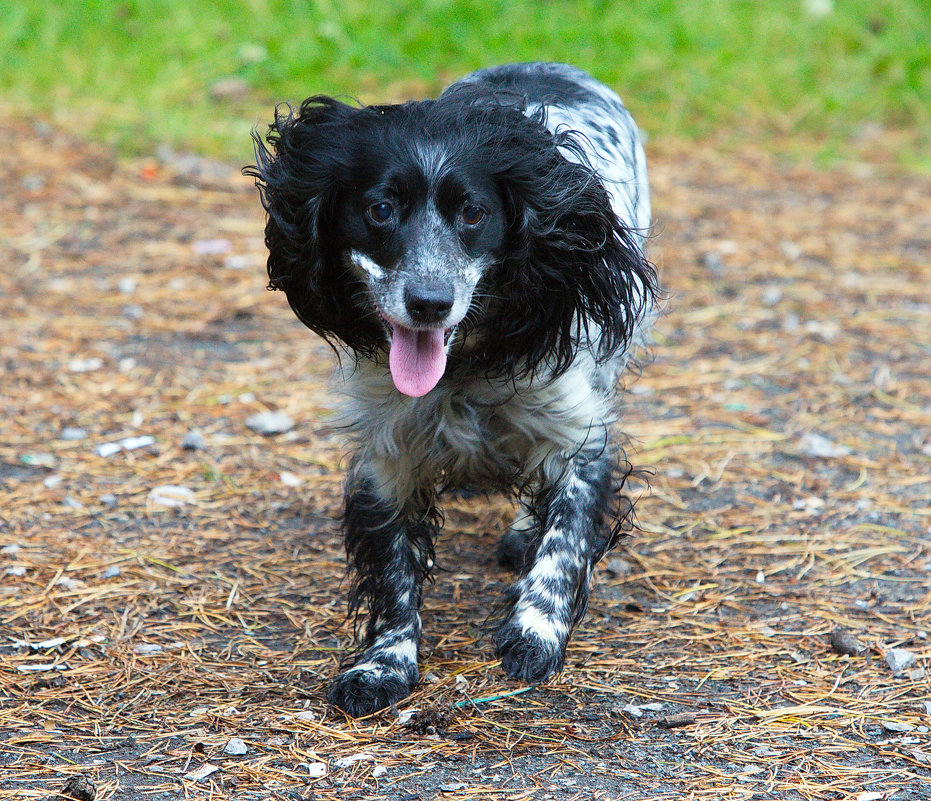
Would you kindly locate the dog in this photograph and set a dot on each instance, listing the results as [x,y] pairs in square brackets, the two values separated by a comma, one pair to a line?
[480,257]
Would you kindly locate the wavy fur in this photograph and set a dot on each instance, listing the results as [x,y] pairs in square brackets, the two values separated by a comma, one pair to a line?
[503,222]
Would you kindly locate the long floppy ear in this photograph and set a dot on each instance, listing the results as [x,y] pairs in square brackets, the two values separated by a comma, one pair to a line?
[300,169]
[572,270]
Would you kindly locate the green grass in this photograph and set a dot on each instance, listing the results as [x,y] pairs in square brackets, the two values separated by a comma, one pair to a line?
[139,72]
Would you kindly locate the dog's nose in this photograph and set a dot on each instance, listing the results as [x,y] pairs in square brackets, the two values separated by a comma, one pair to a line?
[429,301]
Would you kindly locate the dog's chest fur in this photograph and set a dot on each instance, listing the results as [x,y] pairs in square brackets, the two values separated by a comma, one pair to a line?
[477,434]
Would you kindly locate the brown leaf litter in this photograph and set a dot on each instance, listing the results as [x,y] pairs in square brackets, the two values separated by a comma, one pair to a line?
[786,413]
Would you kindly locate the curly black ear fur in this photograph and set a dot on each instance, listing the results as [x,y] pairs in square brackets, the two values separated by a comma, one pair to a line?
[570,270]
[299,173]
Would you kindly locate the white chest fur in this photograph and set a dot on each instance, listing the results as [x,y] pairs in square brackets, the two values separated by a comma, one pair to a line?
[480,434]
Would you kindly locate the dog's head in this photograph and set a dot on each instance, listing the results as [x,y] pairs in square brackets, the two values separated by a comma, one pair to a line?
[444,227]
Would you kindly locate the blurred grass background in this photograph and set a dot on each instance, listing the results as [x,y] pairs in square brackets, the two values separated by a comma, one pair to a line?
[199,74]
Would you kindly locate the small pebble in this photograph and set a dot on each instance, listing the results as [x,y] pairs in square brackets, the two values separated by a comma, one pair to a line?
[619,567]
[844,642]
[72,433]
[212,247]
[790,250]
[106,449]
[111,572]
[269,423]
[916,674]
[675,721]
[79,788]
[193,441]
[127,285]
[170,496]
[72,503]
[893,725]
[927,707]
[53,481]
[134,443]
[772,295]
[898,659]
[33,182]
[632,710]
[38,459]
[236,747]
[147,649]
[379,770]
[346,761]
[34,668]
[201,773]
[405,716]
[810,504]
[712,262]
[237,262]
[289,479]
[816,445]
[85,365]
[315,770]
[107,499]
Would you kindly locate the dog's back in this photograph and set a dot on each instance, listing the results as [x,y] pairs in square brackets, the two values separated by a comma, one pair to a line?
[572,99]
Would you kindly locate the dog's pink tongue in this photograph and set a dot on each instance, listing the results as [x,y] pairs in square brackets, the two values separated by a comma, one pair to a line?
[417,360]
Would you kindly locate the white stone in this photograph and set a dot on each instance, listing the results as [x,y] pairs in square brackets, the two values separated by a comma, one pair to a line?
[816,445]
[898,659]
[236,747]
[201,773]
[268,423]
[170,496]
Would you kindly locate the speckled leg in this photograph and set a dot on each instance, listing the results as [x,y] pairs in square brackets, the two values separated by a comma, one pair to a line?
[391,553]
[552,594]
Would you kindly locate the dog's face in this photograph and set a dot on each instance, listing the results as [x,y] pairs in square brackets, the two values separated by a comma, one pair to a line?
[454,226]
[419,232]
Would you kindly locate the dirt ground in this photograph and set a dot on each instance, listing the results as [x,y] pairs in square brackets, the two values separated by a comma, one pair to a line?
[786,416]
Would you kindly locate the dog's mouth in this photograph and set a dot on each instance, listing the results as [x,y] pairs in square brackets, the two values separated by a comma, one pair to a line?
[416,357]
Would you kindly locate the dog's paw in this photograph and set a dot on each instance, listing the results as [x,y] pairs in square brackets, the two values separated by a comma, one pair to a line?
[526,656]
[513,548]
[359,692]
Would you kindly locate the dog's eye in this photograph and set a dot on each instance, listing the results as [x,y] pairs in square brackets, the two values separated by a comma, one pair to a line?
[471,215]
[380,212]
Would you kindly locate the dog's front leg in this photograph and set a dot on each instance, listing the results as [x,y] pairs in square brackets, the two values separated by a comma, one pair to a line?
[552,594]
[390,552]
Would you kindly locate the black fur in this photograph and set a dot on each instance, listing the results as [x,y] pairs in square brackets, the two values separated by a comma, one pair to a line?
[563,253]
[532,231]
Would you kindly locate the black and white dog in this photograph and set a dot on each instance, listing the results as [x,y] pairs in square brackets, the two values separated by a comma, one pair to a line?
[481,257]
